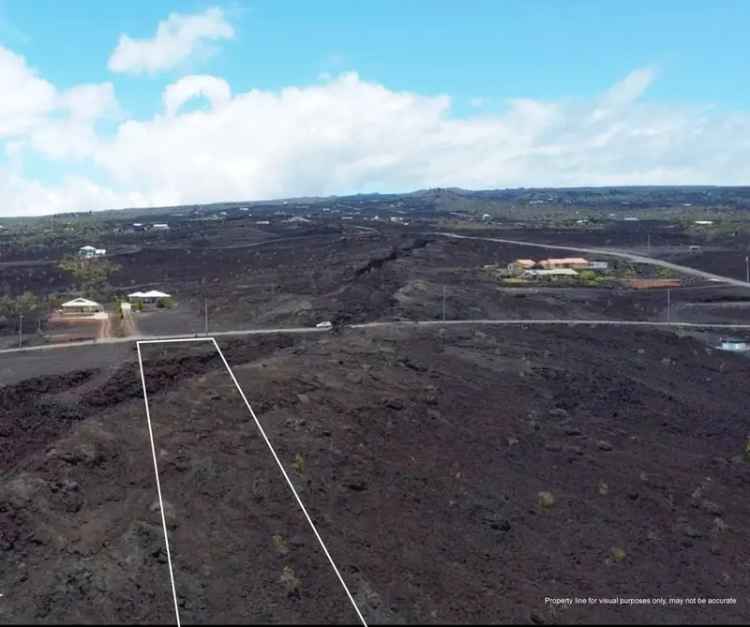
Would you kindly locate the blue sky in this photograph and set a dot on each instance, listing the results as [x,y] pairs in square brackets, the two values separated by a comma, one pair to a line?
[540,66]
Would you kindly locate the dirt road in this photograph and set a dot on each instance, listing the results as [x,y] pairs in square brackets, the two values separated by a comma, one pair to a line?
[105,328]
[129,327]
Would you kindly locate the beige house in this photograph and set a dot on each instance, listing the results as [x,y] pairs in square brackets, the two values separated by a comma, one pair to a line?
[519,265]
[565,262]
[80,305]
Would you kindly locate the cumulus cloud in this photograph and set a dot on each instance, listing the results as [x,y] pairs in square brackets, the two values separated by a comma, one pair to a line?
[56,123]
[177,38]
[26,98]
[24,196]
[215,90]
[347,134]
[90,102]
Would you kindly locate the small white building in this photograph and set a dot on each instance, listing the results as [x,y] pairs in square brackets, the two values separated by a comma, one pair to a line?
[80,305]
[554,273]
[598,265]
[91,251]
[160,227]
[734,344]
[704,222]
[148,298]
[324,325]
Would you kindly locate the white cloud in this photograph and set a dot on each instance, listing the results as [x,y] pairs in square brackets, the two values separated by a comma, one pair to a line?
[624,93]
[90,102]
[27,197]
[26,98]
[33,112]
[177,38]
[215,90]
[346,135]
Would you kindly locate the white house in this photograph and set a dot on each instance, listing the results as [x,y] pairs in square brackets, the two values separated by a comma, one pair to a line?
[150,297]
[160,227]
[81,305]
[91,251]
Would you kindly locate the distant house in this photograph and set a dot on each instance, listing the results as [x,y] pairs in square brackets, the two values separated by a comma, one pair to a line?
[598,265]
[80,305]
[704,222]
[148,298]
[262,222]
[91,251]
[550,274]
[324,325]
[565,262]
[519,265]
[632,219]
[160,227]
[734,344]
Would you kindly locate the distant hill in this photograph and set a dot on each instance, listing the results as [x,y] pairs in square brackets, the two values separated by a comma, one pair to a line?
[456,199]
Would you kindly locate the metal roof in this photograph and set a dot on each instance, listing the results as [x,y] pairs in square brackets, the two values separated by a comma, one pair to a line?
[81,302]
[151,294]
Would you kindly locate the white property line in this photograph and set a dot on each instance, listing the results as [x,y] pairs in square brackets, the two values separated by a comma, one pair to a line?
[158,485]
[270,448]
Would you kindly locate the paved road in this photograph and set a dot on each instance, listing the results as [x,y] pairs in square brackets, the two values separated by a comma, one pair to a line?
[554,322]
[382,324]
[135,338]
[612,253]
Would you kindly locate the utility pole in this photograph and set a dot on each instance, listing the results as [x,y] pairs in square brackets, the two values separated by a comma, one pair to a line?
[747,269]
[669,305]
[20,330]
[649,243]
[205,314]
[443,303]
